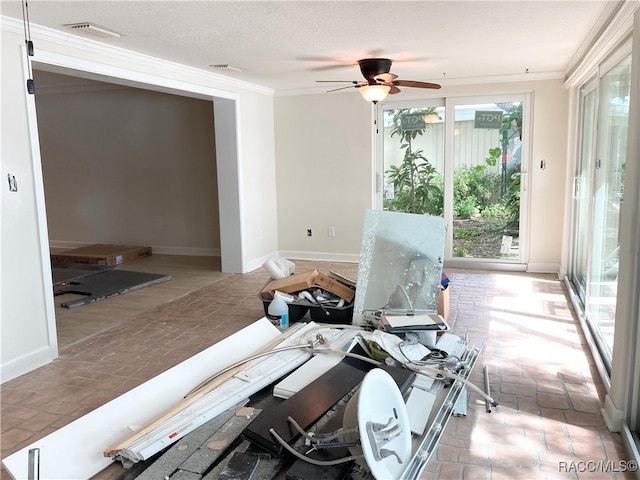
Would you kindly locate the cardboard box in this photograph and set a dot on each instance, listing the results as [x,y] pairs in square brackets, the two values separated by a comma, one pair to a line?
[292,283]
[101,254]
[443,304]
[306,280]
[334,286]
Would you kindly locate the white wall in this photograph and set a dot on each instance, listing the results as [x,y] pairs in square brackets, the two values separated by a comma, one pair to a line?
[324,174]
[549,143]
[27,323]
[258,179]
[25,339]
[127,166]
[322,146]
[324,149]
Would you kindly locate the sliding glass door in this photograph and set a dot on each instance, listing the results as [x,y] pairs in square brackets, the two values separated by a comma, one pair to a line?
[582,190]
[462,160]
[598,197]
[487,159]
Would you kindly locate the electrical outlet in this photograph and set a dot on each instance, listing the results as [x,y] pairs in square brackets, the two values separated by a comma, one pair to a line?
[309,232]
[331,231]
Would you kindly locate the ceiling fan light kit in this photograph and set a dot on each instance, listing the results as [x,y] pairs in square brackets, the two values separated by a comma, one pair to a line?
[374,93]
[379,82]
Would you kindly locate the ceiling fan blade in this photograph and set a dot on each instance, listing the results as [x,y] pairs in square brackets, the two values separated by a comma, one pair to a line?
[343,88]
[385,77]
[338,81]
[394,90]
[415,84]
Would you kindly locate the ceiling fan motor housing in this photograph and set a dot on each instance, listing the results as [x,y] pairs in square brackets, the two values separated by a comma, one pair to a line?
[370,67]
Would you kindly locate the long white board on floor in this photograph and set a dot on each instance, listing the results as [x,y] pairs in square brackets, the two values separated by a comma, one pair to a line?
[75,451]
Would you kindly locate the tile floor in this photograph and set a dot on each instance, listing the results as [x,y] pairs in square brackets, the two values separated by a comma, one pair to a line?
[548,423]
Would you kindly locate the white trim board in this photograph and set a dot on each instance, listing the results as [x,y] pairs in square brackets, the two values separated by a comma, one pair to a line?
[28,362]
[83,441]
[320,256]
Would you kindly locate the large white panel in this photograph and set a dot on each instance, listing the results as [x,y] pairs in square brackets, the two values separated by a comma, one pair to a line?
[75,451]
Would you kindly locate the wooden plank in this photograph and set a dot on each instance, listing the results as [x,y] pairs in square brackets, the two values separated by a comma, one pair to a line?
[170,460]
[216,445]
[313,401]
[305,406]
[241,466]
[268,467]
[208,385]
[181,475]
[302,470]
[268,367]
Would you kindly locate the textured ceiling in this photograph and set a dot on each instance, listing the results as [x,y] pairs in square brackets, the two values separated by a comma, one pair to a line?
[288,45]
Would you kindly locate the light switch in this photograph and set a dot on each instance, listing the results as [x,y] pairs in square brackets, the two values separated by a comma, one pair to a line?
[13,183]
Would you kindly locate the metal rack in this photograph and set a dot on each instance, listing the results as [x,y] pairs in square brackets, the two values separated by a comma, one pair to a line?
[425,445]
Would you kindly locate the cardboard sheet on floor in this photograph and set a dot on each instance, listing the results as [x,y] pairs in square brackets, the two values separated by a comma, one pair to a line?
[101,254]
[75,450]
[108,283]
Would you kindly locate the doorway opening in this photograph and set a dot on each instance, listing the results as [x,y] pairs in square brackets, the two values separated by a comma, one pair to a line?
[226,154]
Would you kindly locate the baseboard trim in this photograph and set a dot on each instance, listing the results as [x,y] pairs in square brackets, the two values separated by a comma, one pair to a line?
[321,256]
[544,268]
[484,264]
[631,444]
[26,363]
[187,251]
[612,416]
[258,262]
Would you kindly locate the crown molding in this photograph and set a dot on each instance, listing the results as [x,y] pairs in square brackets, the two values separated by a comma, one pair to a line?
[87,45]
[614,29]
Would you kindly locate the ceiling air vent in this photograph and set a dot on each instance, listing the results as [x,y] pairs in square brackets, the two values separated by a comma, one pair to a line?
[226,66]
[93,29]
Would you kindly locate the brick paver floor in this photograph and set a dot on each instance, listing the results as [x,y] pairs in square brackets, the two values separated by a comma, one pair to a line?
[548,424]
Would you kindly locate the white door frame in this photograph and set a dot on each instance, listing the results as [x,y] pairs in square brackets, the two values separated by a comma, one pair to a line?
[450,103]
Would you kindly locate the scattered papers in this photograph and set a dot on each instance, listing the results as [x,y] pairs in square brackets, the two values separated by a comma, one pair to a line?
[413,322]
[391,344]
[424,382]
[419,405]
[452,344]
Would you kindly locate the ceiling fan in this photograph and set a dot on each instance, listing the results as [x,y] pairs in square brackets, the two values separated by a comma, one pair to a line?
[379,81]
